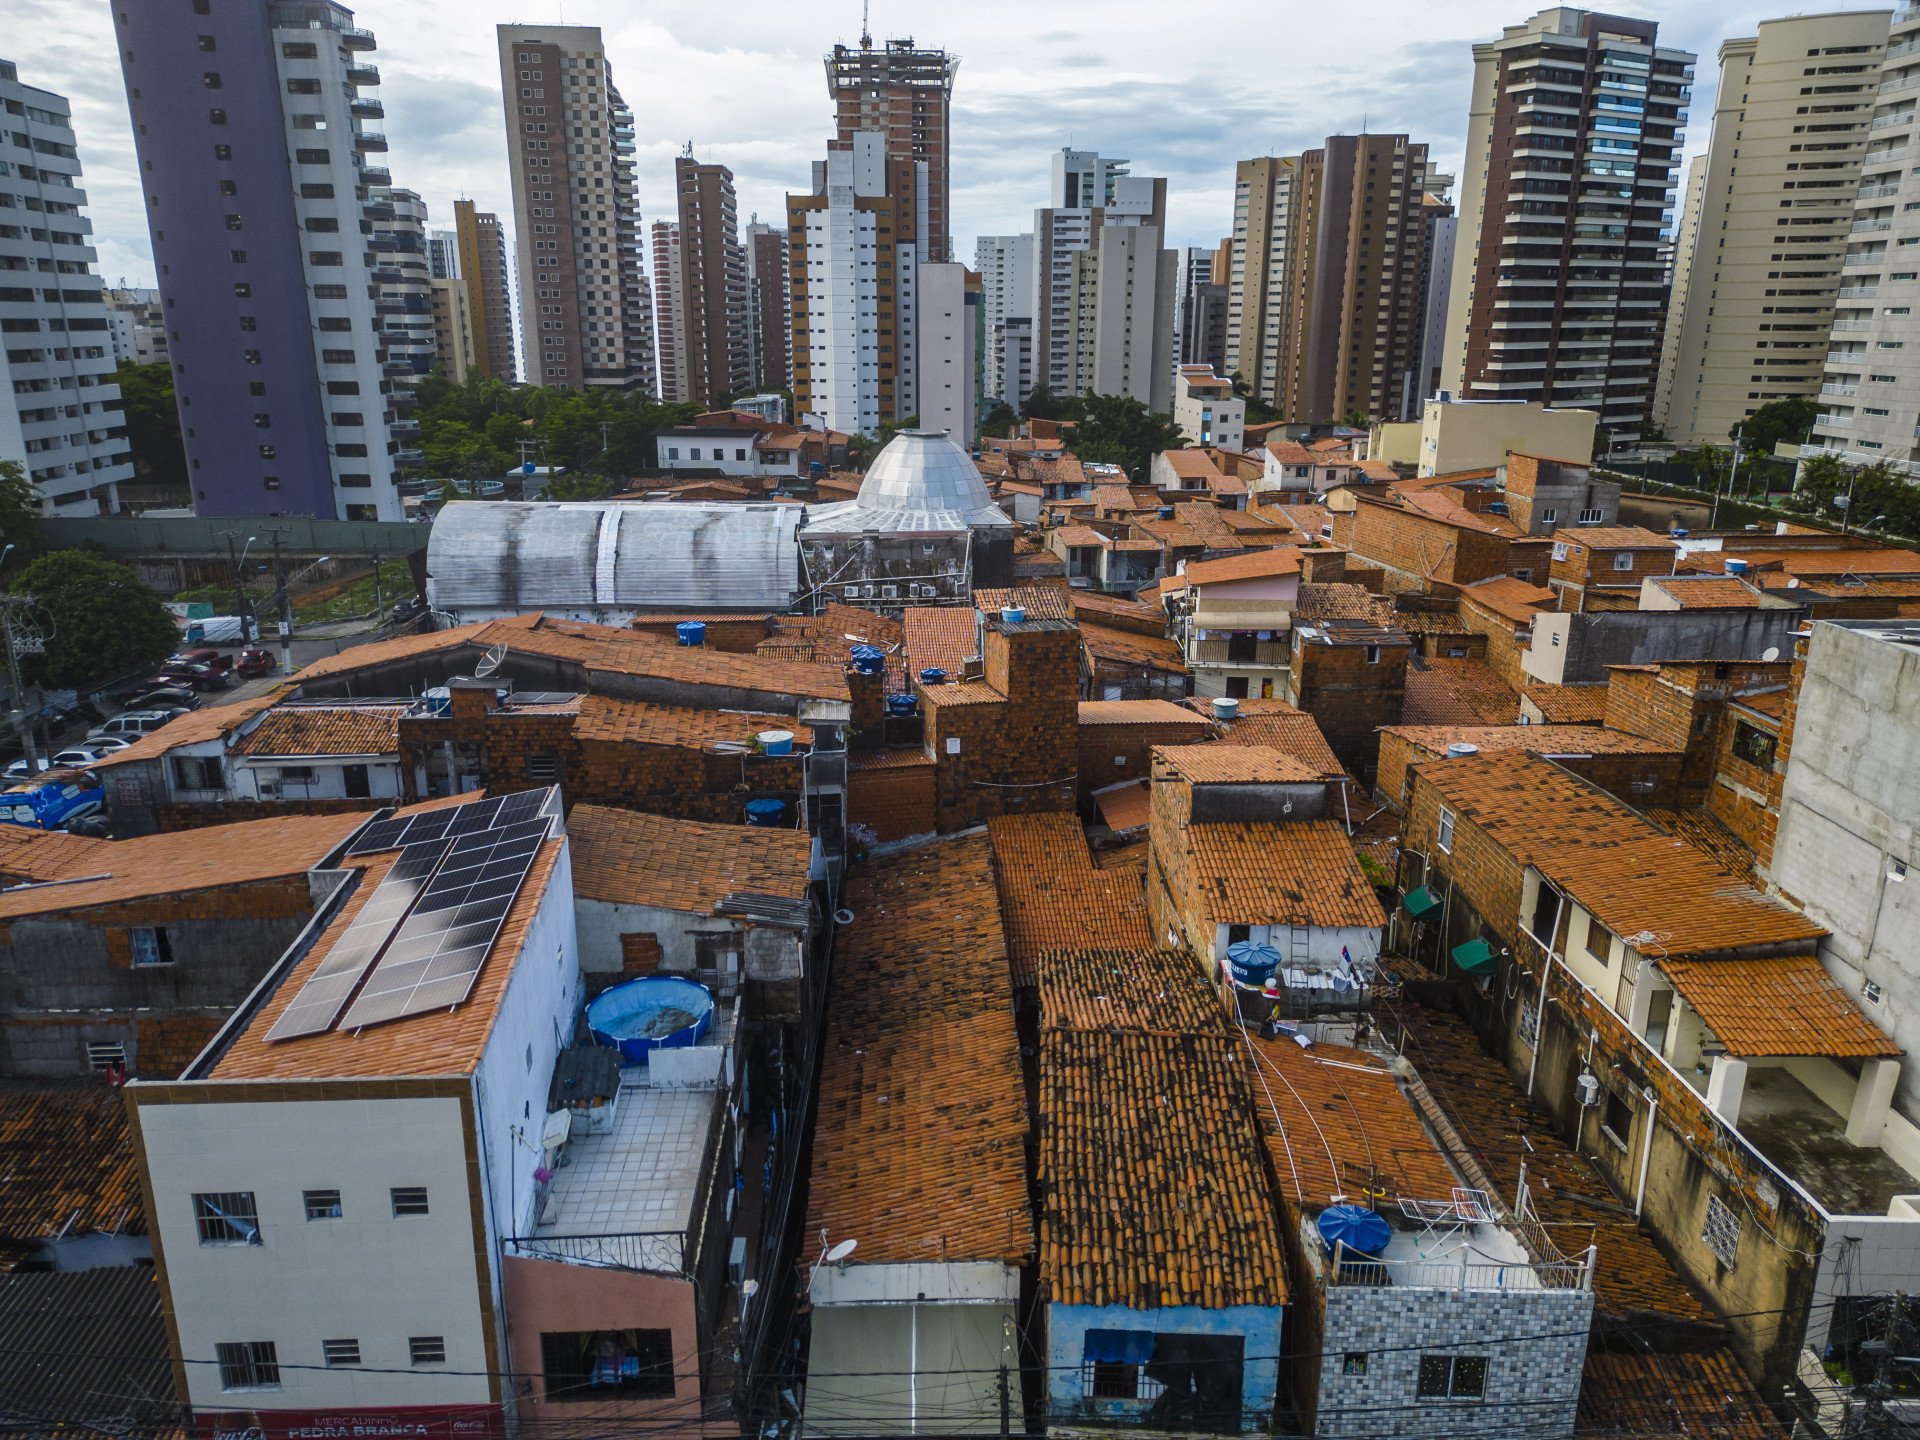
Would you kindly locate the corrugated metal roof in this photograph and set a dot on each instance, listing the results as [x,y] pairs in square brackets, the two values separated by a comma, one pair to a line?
[86,1350]
[922,483]
[514,556]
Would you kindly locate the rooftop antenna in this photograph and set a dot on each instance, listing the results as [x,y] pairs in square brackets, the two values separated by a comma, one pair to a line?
[687,153]
[866,36]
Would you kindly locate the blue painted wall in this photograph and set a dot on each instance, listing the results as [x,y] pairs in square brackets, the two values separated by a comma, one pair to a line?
[1258,1325]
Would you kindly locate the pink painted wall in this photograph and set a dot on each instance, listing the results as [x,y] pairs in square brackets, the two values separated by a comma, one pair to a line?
[548,1295]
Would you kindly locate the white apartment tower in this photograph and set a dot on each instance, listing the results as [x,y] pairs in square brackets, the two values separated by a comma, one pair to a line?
[1791,126]
[137,326]
[1005,263]
[1870,389]
[1258,250]
[60,410]
[1686,243]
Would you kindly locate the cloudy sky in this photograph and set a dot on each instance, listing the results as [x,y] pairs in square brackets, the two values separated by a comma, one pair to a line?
[1181,87]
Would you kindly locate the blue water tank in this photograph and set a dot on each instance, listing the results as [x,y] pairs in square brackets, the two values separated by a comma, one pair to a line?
[1251,962]
[691,632]
[1166,512]
[933,675]
[902,704]
[868,659]
[765,813]
[1354,1226]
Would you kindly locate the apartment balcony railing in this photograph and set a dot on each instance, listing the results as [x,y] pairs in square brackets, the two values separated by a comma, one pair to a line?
[1875,192]
[1858,292]
[1461,1275]
[354,38]
[1865,227]
[1844,391]
[655,1252]
[1853,325]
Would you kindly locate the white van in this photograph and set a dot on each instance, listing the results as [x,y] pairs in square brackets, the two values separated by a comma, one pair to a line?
[130,726]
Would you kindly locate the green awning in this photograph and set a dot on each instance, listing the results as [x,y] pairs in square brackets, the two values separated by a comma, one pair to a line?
[1419,902]
[1474,956]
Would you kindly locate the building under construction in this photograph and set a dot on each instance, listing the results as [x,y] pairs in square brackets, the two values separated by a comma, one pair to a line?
[904,93]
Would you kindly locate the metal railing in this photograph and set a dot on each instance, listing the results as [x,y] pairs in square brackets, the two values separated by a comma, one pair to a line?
[1459,1274]
[659,1252]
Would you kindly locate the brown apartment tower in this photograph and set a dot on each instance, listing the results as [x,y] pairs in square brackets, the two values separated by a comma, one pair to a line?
[1558,291]
[710,308]
[483,270]
[767,297]
[904,93]
[586,317]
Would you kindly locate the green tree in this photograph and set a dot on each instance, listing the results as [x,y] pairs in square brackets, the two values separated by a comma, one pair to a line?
[1878,497]
[19,508]
[1119,430]
[1043,404]
[999,421]
[457,450]
[99,619]
[153,423]
[1777,420]
[1259,412]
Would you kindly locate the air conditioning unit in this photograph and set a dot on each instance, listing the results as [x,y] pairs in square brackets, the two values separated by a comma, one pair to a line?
[1589,1087]
[269,790]
[889,592]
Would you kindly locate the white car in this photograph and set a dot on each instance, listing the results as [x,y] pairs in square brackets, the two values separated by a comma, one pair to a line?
[21,769]
[81,756]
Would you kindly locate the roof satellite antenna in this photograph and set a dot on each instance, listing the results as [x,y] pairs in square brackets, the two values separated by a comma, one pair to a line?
[490,662]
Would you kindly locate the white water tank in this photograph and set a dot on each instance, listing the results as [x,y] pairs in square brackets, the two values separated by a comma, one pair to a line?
[1460,749]
[1225,707]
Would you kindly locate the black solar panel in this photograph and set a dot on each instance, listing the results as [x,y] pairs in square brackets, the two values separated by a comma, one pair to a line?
[487,814]
[436,954]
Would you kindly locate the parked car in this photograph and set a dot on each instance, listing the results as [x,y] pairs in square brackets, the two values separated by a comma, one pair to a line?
[212,659]
[133,724]
[199,677]
[107,744]
[20,769]
[254,661]
[53,801]
[169,697]
[411,608]
[78,757]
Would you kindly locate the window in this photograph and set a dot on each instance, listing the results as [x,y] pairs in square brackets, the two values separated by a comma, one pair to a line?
[340,1352]
[1445,836]
[106,1055]
[1599,940]
[226,1217]
[1721,1232]
[1114,1365]
[427,1349]
[1237,934]
[355,779]
[300,50]
[1623,561]
[1452,1377]
[210,79]
[1560,550]
[198,772]
[1617,1124]
[322,1204]
[1549,515]
[223,152]
[1753,745]
[1529,1023]
[1354,1362]
[1242,648]
[1870,992]
[149,946]
[1373,654]
[410,1200]
[583,1366]
[216,117]
[248,1365]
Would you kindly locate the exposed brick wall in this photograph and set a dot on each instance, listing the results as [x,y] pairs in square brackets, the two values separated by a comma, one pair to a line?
[186,816]
[894,801]
[1018,755]
[1745,796]
[1640,780]
[1585,569]
[1503,652]
[1348,697]
[1131,746]
[1415,550]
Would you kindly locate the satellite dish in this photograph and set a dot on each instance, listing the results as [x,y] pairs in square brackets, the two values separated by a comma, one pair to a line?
[490,662]
[1770,654]
[842,1251]
[1793,582]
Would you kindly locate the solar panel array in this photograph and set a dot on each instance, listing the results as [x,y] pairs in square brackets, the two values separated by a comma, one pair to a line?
[436,954]
[431,921]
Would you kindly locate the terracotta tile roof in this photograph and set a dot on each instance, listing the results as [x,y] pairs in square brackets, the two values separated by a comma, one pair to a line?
[1267,564]
[966,692]
[401,647]
[1300,872]
[1338,600]
[1430,701]
[1614,537]
[628,858]
[1708,592]
[1610,860]
[1153,992]
[1128,647]
[1439,506]
[1227,485]
[1296,735]
[67,1165]
[441,1042]
[1672,1395]
[1039,565]
[1053,898]
[1442,692]
[210,722]
[1190,464]
[939,636]
[1549,741]
[1125,807]
[1291,452]
[1154,1190]
[1872,560]
[1515,600]
[1080,535]
[1569,704]
[27,854]
[324,730]
[1378,470]
[1041,602]
[900,759]
[1138,712]
[614,719]
[178,862]
[1707,833]
[1091,605]
[1109,498]
[1338,1126]
[1770,703]
[919,1149]
[1231,765]
[1783,1006]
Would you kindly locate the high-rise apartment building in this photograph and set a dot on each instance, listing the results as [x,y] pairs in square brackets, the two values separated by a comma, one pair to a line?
[452,330]
[1686,244]
[1104,285]
[1351,318]
[711,307]
[904,94]
[669,342]
[136,324]
[483,270]
[1436,277]
[1870,390]
[853,260]
[1791,125]
[279,240]
[1558,292]
[1263,196]
[767,304]
[406,303]
[60,416]
[586,317]
[950,328]
[443,254]
[1005,265]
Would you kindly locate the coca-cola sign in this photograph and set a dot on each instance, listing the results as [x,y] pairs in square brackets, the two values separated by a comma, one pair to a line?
[413,1422]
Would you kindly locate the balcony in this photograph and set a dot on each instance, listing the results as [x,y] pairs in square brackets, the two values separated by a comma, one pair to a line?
[366,109]
[1876,192]
[1844,391]
[369,140]
[1858,292]
[1855,325]
[363,75]
[1866,227]
[376,175]
[355,38]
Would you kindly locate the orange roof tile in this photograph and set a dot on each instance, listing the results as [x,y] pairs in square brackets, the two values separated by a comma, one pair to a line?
[1569,704]
[629,858]
[1125,807]
[1441,692]
[966,692]
[211,722]
[1232,765]
[1300,872]
[1129,647]
[1614,537]
[324,730]
[1708,592]
[1153,992]
[614,719]
[919,1148]
[177,862]
[1139,712]
[39,855]
[1052,897]
[439,1042]
[1509,598]
[1266,564]
[1291,452]
[1297,735]
[1041,602]
[942,637]
[1338,600]
[1548,741]
[67,1165]
[1787,1005]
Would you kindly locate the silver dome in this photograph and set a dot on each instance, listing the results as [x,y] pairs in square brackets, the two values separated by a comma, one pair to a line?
[921,483]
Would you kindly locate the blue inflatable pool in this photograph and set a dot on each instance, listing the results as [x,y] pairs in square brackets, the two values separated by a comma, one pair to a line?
[661,1012]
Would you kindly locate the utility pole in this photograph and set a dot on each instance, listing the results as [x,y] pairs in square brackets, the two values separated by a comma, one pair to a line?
[23,722]
[286,606]
[1006,1404]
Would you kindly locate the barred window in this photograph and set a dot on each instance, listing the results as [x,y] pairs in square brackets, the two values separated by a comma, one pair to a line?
[248,1365]
[1721,1233]
[226,1217]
